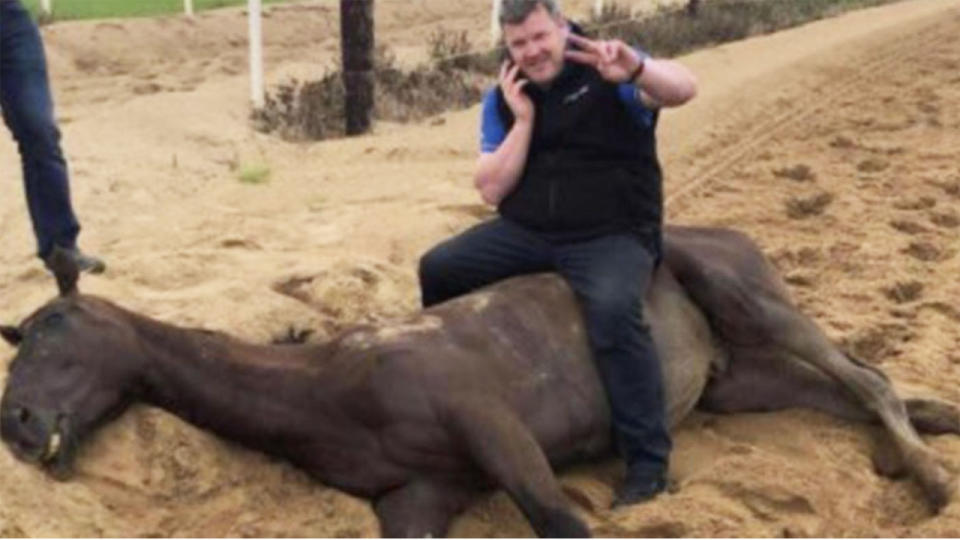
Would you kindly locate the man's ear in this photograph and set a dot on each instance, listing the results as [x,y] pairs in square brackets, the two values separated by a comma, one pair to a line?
[11,334]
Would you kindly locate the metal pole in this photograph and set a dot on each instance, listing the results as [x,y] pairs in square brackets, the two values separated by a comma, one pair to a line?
[256,53]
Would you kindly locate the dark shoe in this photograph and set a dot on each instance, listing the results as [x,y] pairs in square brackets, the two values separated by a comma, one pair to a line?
[639,488]
[84,262]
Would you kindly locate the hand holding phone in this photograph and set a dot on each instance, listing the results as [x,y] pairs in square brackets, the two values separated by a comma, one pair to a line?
[512,82]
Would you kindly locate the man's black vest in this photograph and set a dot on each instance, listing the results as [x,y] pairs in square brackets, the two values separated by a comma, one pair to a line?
[591,169]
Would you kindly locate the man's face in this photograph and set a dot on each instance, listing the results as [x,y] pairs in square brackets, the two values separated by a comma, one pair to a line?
[537,44]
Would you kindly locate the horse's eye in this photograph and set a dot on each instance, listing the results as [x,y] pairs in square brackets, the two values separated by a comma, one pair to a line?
[53,320]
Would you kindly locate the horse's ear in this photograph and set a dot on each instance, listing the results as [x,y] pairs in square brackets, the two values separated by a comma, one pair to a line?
[65,269]
[11,334]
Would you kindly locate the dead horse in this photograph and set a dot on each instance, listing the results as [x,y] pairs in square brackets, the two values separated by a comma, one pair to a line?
[487,390]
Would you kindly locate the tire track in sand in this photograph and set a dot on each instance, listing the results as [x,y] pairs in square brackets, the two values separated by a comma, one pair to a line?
[877,60]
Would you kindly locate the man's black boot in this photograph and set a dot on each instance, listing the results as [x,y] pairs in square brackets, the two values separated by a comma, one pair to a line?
[84,262]
[639,487]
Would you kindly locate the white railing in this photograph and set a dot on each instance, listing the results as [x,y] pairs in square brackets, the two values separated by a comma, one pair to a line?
[255,38]
[254,10]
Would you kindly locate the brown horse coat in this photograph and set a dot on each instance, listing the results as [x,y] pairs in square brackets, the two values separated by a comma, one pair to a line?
[490,389]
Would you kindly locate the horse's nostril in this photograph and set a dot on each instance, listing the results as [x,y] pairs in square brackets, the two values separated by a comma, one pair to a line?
[22,414]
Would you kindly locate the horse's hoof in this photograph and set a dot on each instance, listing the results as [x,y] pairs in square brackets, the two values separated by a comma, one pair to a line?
[940,488]
[888,462]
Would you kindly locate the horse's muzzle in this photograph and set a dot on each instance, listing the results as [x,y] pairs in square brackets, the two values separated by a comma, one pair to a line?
[33,435]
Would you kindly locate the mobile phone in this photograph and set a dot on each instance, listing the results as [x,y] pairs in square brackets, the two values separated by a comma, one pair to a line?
[503,53]
[505,57]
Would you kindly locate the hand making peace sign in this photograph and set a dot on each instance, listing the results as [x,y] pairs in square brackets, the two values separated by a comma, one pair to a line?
[615,60]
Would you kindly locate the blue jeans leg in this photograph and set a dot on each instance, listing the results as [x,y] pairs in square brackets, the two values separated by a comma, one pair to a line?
[28,111]
[610,275]
[488,252]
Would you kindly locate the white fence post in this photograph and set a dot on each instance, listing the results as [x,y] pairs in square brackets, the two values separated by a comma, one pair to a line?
[188,7]
[598,8]
[256,53]
[495,23]
[46,7]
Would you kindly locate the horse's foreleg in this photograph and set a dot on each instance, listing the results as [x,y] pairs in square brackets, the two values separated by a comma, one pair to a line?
[505,449]
[419,509]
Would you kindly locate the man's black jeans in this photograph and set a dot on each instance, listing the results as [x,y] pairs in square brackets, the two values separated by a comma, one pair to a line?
[609,275]
[28,111]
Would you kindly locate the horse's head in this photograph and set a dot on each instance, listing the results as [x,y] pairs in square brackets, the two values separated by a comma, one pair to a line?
[73,369]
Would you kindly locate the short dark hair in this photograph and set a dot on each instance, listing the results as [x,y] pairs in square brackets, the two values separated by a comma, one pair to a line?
[516,11]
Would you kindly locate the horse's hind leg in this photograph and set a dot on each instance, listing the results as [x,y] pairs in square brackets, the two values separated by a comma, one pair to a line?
[505,449]
[739,291]
[927,416]
[420,508]
[764,381]
[771,381]
[798,335]
[760,381]
[932,416]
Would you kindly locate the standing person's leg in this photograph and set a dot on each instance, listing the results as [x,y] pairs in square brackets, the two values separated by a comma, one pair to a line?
[488,252]
[28,111]
[610,276]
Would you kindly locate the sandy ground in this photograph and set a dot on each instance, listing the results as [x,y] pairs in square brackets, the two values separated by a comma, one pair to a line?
[862,108]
